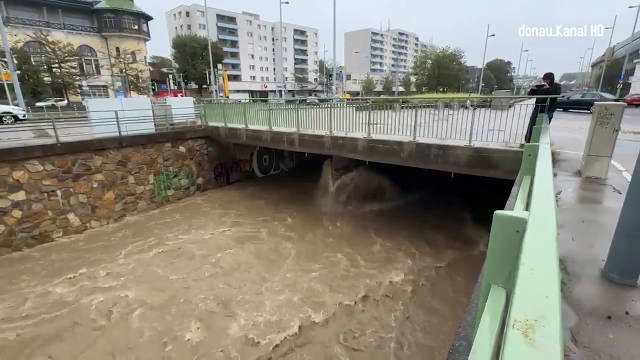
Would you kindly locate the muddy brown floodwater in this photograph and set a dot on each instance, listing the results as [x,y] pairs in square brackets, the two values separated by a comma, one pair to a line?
[257,270]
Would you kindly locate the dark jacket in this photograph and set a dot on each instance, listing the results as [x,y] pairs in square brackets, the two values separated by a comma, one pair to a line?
[553,89]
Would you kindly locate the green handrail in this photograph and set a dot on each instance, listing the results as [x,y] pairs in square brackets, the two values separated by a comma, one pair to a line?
[519,314]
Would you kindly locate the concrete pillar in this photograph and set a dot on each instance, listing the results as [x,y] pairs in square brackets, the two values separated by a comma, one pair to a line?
[622,264]
[635,79]
[601,141]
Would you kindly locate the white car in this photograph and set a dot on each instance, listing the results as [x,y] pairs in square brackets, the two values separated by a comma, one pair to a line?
[59,102]
[10,114]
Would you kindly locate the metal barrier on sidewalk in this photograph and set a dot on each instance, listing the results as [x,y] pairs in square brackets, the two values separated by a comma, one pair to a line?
[69,126]
[519,312]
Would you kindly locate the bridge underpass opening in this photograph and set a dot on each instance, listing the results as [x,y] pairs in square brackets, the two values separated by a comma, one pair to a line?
[263,269]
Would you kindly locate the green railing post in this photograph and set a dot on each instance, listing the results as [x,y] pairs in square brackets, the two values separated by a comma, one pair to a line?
[297,117]
[269,110]
[224,114]
[244,115]
[369,111]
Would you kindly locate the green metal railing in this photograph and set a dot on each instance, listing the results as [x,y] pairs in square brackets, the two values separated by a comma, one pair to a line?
[519,312]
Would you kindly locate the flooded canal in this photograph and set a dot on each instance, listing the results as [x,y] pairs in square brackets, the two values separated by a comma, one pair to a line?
[277,268]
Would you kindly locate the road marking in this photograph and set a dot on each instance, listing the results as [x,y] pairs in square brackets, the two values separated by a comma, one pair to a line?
[620,168]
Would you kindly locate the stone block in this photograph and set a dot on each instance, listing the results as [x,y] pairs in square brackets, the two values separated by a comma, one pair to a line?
[5,170]
[32,186]
[82,198]
[62,162]
[33,166]
[98,177]
[14,187]
[18,196]
[82,187]
[16,214]
[5,203]
[20,176]
[73,220]
[49,167]
[109,196]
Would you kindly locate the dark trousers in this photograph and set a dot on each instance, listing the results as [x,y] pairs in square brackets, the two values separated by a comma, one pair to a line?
[533,119]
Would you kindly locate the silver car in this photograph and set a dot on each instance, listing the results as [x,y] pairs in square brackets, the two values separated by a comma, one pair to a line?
[10,114]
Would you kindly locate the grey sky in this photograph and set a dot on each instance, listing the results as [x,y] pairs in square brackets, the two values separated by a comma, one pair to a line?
[459,23]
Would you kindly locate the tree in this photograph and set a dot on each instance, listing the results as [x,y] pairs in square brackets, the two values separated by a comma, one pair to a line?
[439,69]
[489,81]
[130,65]
[611,75]
[60,61]
[407,83]
[387,84]
[33,85]
[160,62]
[369,85]
[502,72]
[191,54]
[324,70]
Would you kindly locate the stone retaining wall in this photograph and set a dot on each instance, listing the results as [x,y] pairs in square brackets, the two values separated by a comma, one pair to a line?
[46,198]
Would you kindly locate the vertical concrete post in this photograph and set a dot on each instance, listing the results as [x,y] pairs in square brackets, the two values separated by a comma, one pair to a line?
[473,123]
[118,123]
[244,114]
[415,123]
[623,265]
[369,105]
[601,141]
[297,117]
[55,130]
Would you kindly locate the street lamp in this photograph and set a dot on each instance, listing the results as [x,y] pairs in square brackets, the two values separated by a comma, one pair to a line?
[280,50]
[335,69]
[486,40]
[526,64]
[626,57]
[214,85]
[604,67]
[588,80]
[522,50]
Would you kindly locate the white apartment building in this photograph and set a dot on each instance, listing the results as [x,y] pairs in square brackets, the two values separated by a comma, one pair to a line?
[253,60]
[376,53]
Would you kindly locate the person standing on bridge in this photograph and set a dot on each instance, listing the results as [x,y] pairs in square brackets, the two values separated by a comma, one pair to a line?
[545,105]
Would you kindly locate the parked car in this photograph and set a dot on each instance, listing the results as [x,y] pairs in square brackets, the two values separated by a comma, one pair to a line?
[58,102]
[312,101]
[632,99]
[583,100]
[10,114]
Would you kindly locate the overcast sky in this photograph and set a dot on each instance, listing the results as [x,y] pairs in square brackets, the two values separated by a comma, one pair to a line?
[459,23]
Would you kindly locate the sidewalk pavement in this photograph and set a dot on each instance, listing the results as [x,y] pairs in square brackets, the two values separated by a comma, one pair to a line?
[602,319]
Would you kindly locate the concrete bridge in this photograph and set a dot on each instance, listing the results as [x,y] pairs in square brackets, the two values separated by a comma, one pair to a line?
[455,136]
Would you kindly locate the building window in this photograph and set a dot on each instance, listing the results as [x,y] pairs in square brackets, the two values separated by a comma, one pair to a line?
[188,26]
[95,91]
[36,51]
[133,56]
[249,22]
[88,62]
[260,58]
[186,13]
[266,78]
[181,29]
[261,78]
[252,78]
[110,21]
[261,68]
[252,67]
[266,49]
[286,69]
[180,14]
[201,13]
[202,26]
[249,34]
[130,22]
[266,68]
[252,57]
[174,16]
[117,51]
[176,29]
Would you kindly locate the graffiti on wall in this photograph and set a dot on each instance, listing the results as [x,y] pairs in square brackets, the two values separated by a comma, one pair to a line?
[170,181]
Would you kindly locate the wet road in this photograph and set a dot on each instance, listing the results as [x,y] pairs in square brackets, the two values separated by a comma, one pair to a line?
[255,270]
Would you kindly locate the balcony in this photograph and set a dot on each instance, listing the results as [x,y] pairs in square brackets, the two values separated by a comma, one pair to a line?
[231,61]
[301,66]
[11,20]
[227,25]
[228,37]
[377,50]
[231,50]
[300,56]
[300,47]
[300,37]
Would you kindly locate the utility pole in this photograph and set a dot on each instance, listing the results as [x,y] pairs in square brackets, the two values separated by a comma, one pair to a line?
[622,265]
[522,49]
[604,66]
[593,46]
[212,79]
[12,66]
[280,55]
[335,77]
[626,57]
[486,40]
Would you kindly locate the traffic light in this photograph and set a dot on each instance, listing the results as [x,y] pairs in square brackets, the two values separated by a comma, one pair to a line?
[154,87]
